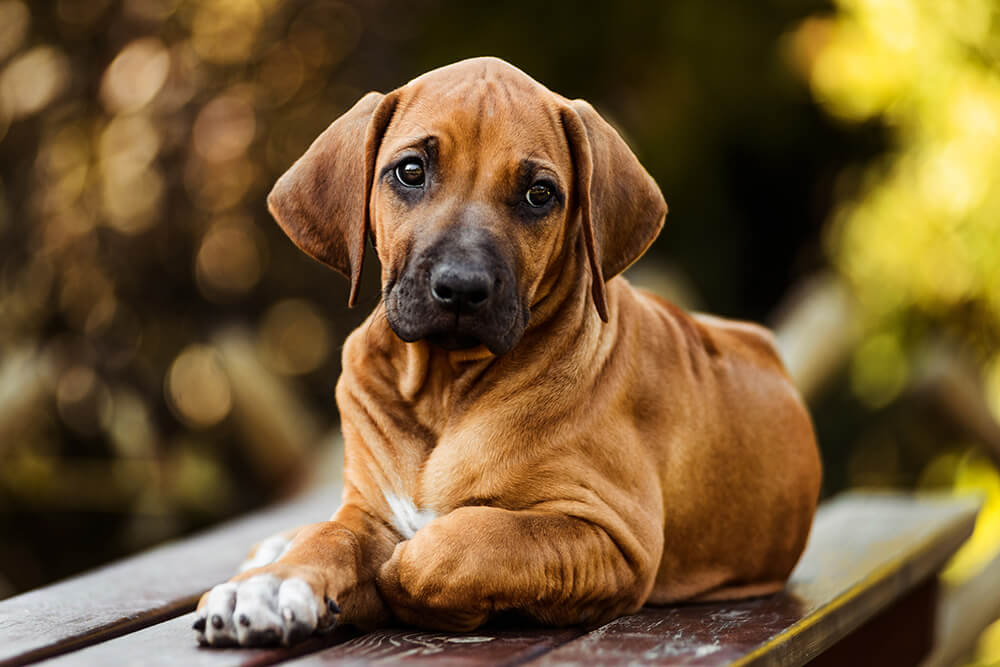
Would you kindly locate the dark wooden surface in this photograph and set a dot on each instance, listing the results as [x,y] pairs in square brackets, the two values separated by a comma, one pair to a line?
[867,553]
[142,590]
[487,646]
[173,643]
[901,634]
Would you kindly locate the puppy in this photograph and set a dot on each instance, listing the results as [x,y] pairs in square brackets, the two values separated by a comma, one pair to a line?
[524,431]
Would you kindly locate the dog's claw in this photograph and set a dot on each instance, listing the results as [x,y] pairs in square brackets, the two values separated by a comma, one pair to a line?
[244,620]
[332,606]
[199,624]
[217,622]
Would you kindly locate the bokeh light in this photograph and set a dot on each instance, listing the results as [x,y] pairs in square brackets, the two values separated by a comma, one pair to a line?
[135,76]
[294,337]
[198,388]
[32,80]
[229,262]
[14,21]
[224,31]
[224,128]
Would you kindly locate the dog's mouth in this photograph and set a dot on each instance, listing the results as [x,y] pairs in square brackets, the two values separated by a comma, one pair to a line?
[497,332]
[453,340]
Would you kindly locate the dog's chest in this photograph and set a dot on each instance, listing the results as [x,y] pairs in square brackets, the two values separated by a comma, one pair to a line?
[405,516]
[468,468]
[468,463]
[447,478]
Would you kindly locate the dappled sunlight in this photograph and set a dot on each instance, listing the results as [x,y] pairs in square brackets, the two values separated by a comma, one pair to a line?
[918,237]
[922,230]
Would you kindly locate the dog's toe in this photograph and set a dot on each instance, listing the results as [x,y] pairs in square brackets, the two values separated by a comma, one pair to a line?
[260,611]
[214,621]
[298,609]
[258,620]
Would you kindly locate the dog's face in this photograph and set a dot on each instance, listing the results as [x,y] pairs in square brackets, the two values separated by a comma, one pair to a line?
[473,181]
[469,208]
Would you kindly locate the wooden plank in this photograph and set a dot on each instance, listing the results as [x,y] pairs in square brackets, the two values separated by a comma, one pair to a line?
[486,646]
[866,550]
[901,634]
[966,609]
[173,642]
[142,590]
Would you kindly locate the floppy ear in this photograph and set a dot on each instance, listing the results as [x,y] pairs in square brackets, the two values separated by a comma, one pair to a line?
[322,200]
[621,207]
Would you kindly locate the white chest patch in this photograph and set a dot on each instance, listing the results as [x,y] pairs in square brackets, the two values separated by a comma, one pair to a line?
[406,518]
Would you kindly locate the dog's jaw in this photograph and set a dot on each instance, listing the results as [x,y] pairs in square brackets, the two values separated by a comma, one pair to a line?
[413,319]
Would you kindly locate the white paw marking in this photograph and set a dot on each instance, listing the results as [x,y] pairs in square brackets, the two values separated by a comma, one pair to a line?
[267,552]
[259,611]
[406,518]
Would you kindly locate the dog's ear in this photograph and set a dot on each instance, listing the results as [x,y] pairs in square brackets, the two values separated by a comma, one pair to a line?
[621,207]
[322,200]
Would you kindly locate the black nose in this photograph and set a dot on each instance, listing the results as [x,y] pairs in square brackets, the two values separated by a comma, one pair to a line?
[463,289]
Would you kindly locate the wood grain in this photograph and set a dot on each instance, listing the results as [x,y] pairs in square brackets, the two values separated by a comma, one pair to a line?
[173,642]
[142,590]
[866,550]
[486,646]
[867,553]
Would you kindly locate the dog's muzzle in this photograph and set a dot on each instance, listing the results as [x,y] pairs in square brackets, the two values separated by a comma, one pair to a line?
[458,293]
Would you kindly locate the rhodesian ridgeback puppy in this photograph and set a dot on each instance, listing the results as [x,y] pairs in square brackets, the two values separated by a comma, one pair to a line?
[524,431]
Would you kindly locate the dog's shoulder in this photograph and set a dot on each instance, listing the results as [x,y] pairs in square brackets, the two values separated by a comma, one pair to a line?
[746,340]
[717,336]
[690,327]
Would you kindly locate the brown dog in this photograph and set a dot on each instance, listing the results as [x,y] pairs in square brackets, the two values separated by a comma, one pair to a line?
[524,431]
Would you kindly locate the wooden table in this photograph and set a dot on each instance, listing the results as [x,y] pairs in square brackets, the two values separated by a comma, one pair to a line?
[864,593]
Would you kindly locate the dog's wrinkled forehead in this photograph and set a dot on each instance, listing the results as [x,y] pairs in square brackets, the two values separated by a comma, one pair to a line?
[484,101]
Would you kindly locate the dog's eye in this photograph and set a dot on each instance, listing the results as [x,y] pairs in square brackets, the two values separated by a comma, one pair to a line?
[538,195]
[410,173]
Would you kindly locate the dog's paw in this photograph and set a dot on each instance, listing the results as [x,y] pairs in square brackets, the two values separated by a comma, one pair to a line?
[260,611]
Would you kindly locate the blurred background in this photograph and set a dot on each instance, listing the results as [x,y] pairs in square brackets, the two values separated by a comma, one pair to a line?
[167,357]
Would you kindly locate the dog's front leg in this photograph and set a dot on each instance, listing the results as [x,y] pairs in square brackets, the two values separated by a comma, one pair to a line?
[326,574]
[561,570]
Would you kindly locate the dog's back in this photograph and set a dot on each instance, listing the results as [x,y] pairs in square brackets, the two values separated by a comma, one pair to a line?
[749,452]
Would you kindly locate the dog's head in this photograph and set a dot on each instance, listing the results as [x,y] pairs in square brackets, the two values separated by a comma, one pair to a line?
[472,180]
